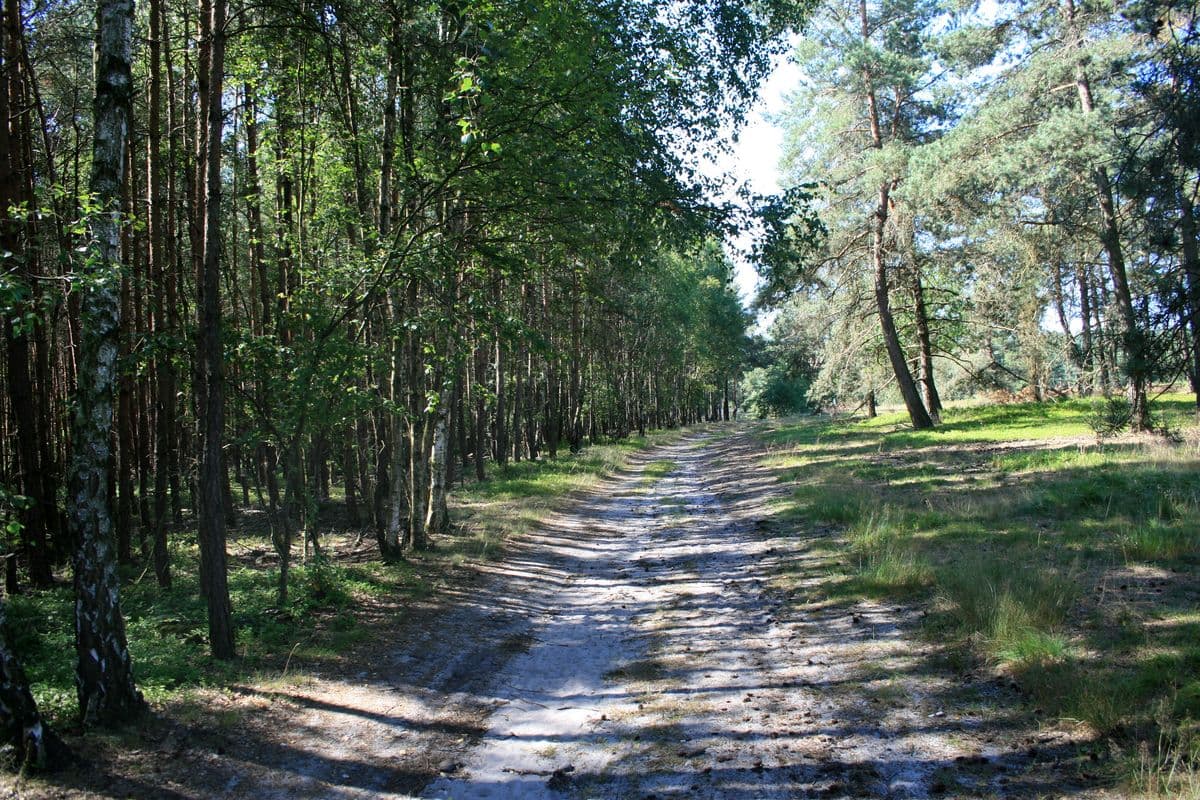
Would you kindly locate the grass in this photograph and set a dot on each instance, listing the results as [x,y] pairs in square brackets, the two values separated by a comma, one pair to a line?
[518,496]
[334,603]
[1065,562]
[884,565]
[167,629]
[655,471]
[1017,614]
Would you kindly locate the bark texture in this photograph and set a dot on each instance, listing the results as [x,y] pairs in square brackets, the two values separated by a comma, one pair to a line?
[1135,344]
[887,323]
[21,726]
[1191,265]
[212,468]
[104,673]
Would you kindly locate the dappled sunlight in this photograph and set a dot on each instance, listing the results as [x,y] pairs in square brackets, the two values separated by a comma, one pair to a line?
[1112,523]
[694,626]
[710,681]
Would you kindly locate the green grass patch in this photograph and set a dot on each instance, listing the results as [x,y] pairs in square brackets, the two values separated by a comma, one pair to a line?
[885,564]
[167,629]
[832,504]
[1155,539]
[655,471]
[1066,562]
[1017,611]
[517,497]
[556,477]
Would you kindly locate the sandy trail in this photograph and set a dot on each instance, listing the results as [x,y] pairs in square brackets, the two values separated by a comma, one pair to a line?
[640,644]
[667,667]
[636,646]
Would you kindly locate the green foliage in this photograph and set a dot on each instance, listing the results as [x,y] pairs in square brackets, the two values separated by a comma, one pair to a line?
[994,185]
[167,630]
[1110,417]
[1063,562]
[771,392]
[11,506]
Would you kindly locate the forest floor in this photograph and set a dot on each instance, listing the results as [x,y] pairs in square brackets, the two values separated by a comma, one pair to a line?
[673,633]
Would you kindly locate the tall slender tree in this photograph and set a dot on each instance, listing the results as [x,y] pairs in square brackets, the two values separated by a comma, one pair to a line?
[213,474]
[104,670]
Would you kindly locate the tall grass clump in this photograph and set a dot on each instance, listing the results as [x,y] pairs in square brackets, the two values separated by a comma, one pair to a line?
[829,504]
[1171,769]
[884,560]
[1014,610]
[1159,540]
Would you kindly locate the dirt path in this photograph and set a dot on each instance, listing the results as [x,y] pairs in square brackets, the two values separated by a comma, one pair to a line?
[665,665]
[637,647]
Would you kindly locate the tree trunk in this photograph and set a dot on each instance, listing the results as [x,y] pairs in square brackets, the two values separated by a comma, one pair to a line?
[933,401]
[1074,354]
[172,266]
[518,410]
[211,505]
[124,520]
[908,390]
[1101,351]
[281,520]
[349,476]
[21,726]
[1087,356]
[104,674]
[480,410]
[553,413]
[458,429]
[1191,266]
[1138,358]
[437,520]
[575,387]
[393,544]
[16,191]
[501,416]
[379,500]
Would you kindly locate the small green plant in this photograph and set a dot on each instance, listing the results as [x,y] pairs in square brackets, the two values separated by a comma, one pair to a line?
[1016,616]
[1171,767]
[1014,609]
[1110,417]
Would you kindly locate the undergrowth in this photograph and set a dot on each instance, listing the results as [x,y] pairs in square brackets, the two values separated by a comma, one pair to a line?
[1065,562]
[325,616]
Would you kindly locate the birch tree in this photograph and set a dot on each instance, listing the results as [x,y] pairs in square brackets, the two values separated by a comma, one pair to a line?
[104,671]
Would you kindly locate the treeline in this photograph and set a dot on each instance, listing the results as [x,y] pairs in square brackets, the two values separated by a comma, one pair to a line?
[990,197]
[273,248]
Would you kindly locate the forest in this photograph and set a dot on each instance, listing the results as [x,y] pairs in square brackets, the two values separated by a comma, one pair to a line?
[1021,180]
[296,294]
